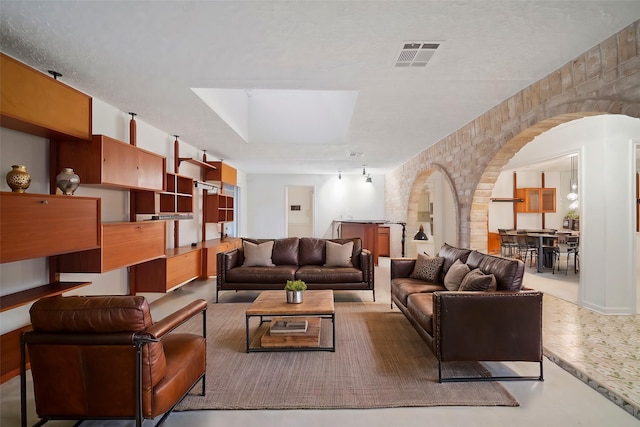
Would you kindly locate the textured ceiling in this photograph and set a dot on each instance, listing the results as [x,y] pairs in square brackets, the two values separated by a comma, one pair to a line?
[145,56]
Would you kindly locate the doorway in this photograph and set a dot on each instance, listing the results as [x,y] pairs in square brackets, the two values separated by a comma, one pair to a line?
[299,208]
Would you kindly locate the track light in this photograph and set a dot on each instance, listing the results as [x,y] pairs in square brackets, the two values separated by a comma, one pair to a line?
[364,172]
[368,179]
[339,174]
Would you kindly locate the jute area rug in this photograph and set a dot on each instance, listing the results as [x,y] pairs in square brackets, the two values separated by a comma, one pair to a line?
[380,362]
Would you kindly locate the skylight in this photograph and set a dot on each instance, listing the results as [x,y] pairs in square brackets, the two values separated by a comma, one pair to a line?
[268,116]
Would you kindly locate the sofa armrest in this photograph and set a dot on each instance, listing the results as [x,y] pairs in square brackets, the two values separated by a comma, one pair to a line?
[175,319]
[402,267]
[366,265]
[488,326]
[225,262]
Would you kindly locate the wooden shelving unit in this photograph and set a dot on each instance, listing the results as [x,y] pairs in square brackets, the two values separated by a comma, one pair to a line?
[203,165]
[27,296]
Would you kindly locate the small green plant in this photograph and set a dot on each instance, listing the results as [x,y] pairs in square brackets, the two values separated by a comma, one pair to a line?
[295,285]
[572,215]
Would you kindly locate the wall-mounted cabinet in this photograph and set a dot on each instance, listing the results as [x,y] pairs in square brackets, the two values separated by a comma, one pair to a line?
[536,200]
[40,225]
[37,104]
[179,266]
[107,161]
[177,199]
[222,173]
[123,244]
[219,208]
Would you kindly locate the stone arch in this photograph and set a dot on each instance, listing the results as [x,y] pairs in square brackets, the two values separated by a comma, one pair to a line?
[416,190]
[603,80]
[478,217]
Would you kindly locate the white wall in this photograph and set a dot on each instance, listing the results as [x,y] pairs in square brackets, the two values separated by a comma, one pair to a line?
[335,199]
[607,200]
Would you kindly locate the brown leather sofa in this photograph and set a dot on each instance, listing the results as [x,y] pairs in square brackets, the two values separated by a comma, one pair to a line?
[500,325]
[103,358]
[295,258]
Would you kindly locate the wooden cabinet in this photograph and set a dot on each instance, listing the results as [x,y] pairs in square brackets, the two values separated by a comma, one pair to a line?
[384,241]
[178,267]
[40,225]
[107,161]
[222,173]
[177,199]
[211,248]
[35,103]
[536,200]
[219,208]
[367,231]
[123,244]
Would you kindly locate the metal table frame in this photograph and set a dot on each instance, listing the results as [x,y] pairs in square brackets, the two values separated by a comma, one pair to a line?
[267,318]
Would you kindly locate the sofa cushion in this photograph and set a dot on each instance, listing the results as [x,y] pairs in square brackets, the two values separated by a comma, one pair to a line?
[402,287]
[476,280]
[257,254]
[321,274]
[338,255]
[427,268]
[508,271]
[285,251]
[420,306]
[311,251]
[455,275]
[450,255]
[273,274]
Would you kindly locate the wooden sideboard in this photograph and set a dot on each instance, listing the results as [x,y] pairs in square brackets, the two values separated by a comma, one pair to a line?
[368,231]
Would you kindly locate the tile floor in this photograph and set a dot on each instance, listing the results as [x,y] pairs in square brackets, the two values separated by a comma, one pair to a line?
[602,350]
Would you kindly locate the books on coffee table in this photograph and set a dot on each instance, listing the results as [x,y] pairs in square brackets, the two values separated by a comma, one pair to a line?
[288,326]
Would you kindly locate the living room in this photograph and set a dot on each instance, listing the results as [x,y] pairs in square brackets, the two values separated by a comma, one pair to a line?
[262,202]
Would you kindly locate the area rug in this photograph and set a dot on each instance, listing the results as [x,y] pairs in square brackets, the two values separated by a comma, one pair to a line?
[380,362]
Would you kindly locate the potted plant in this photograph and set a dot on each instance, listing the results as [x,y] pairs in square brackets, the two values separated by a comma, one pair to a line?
[294,289]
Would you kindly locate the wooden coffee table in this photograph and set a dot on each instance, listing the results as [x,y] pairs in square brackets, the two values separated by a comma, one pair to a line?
[316,305]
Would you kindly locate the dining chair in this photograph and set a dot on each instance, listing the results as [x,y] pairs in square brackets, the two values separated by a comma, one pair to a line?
[508,243]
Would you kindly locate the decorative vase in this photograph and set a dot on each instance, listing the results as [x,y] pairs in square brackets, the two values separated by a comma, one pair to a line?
[68,181]
[294,297]
[18,178]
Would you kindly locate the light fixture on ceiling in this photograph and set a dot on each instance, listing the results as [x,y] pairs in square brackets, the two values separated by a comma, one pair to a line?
[364,172]
[368,180]
[339,174]
[573,186]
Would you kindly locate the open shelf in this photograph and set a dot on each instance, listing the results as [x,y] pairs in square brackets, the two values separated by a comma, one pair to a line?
[196,162]
[21,298]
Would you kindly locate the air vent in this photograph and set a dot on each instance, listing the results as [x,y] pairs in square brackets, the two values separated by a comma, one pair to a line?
[355,155]
[416,54]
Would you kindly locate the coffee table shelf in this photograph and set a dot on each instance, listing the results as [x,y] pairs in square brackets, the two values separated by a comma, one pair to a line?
[317,308]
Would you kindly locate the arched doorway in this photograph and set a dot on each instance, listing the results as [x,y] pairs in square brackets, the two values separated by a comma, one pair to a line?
[432,205]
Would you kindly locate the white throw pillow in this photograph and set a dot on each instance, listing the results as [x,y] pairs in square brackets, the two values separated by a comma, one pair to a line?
[339,255]
[455,275]
[257,255]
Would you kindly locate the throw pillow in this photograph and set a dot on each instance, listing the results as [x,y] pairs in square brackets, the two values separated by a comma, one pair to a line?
[476,280]
[339,255]
[457,272]
[257,255]
[427,268]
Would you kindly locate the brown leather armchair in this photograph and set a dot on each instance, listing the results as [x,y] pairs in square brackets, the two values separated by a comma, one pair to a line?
[102,357]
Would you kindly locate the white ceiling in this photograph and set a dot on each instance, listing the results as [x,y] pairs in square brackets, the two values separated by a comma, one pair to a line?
[146,56]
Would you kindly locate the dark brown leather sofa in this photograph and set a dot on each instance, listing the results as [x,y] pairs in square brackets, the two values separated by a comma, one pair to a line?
[500,325]
[295,258]
[102,357]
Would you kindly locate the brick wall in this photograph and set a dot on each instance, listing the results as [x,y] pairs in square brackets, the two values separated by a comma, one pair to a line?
[603,80]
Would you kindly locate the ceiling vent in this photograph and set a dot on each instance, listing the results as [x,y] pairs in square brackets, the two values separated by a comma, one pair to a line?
[355,155]
[416,54]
